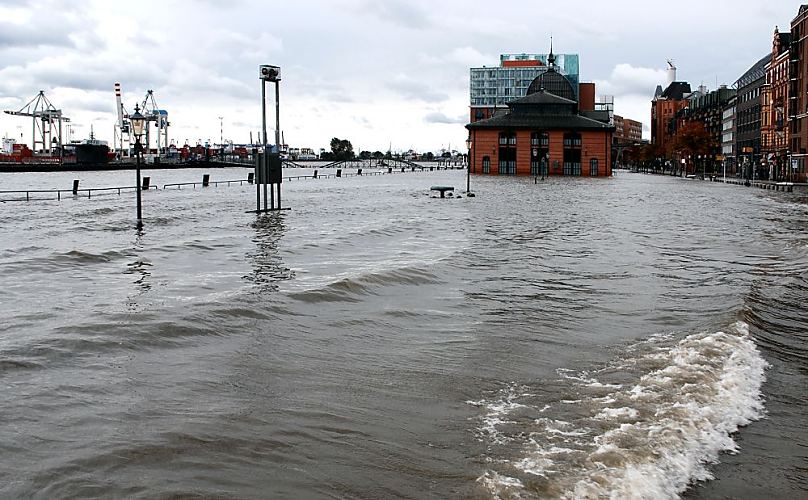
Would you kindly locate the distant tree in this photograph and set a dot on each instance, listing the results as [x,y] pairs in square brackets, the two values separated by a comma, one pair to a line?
[388,155]
[365,155]
[430,156]
[446,154]
[327,156]
[692,140]
[342,149]
[378,155]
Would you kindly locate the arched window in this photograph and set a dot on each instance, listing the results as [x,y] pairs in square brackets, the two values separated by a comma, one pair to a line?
[593,167]
[486,164]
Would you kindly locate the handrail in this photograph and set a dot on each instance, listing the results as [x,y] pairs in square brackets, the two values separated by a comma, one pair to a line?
[179,185]
[59,192]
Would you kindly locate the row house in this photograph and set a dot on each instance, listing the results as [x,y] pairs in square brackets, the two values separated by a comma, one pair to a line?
[798,95]
[774,127]
[748,117]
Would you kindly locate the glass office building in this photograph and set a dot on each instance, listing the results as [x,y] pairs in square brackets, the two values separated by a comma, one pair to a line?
[496,86]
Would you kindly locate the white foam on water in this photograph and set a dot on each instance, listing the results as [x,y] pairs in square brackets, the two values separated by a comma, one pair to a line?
[651,438]
[496,413]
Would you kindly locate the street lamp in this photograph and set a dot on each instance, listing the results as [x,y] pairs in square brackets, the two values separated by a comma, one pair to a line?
[469,143]
[138,121]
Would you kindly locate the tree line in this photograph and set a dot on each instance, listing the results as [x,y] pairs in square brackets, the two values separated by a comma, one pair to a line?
[342,149]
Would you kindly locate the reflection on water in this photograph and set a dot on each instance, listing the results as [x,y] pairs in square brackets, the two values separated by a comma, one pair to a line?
[267,265]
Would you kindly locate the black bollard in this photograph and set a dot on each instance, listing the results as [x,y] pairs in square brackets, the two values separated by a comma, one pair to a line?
[359,171]
[389,170]
[339,172]
[413,169]
[402,170]
[314,175]
[431,169]
[145,184]
[75,186]
[250,177]
[205,180]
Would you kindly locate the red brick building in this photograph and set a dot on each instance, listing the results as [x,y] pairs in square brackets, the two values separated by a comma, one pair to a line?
[774,128]
[626,130]
[664,107]
[543,133]
[798,95]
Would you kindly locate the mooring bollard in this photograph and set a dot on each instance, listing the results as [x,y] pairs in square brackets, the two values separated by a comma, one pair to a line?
[75,186]
[205,180]
[250,177]
[314,175]
[389,170]
[413,169]
[431,169]
[358,171]
[339,172]
[145,185]
[402,170]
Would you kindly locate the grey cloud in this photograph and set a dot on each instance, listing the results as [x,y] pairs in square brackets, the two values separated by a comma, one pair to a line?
[436,117]
[413,89]
[398,12]
[13,35]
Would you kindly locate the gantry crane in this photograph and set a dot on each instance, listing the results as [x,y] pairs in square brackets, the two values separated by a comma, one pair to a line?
[160,119]
[47,124]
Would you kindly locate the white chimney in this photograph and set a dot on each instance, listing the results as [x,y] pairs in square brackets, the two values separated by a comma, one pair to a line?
[671,72]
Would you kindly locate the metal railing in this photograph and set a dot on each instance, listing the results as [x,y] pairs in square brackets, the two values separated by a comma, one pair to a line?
[179,185]
[75,193]
[30,194]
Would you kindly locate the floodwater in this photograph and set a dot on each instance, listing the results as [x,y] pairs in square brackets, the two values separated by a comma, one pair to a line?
[632,337]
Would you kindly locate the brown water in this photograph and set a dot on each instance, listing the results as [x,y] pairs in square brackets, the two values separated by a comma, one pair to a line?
[577,338]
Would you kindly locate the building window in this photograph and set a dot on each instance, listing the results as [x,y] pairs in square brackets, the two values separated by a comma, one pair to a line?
[593,167]
[486,164]
[507,167]
[507,139]
[540,139]
[572,140]
[572,168]
[538,166]
[507,161]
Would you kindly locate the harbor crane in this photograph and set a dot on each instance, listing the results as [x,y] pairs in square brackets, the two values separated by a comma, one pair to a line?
[160,118]
[152,114]
[47,124]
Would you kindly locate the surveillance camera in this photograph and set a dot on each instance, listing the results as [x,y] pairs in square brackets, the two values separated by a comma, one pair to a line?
[270,73]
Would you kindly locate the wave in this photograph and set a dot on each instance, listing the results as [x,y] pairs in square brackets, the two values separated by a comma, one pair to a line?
[350,289]
[646,426]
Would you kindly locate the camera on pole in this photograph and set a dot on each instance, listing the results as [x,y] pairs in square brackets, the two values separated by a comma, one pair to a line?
[270,73]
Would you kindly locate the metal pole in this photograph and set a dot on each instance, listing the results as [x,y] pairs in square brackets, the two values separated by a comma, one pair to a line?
[263,141]
[278,133]
[468,172]
[137,185]
[277,117]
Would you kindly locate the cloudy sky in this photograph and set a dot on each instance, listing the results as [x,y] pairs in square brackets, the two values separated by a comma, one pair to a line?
[377,72]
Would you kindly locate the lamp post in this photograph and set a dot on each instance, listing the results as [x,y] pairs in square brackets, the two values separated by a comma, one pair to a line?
[468,166]
[138,121]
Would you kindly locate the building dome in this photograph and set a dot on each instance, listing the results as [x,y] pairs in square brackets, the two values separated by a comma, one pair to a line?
[554,82]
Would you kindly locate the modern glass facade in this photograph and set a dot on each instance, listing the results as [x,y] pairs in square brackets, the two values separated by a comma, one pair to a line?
[499,85]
